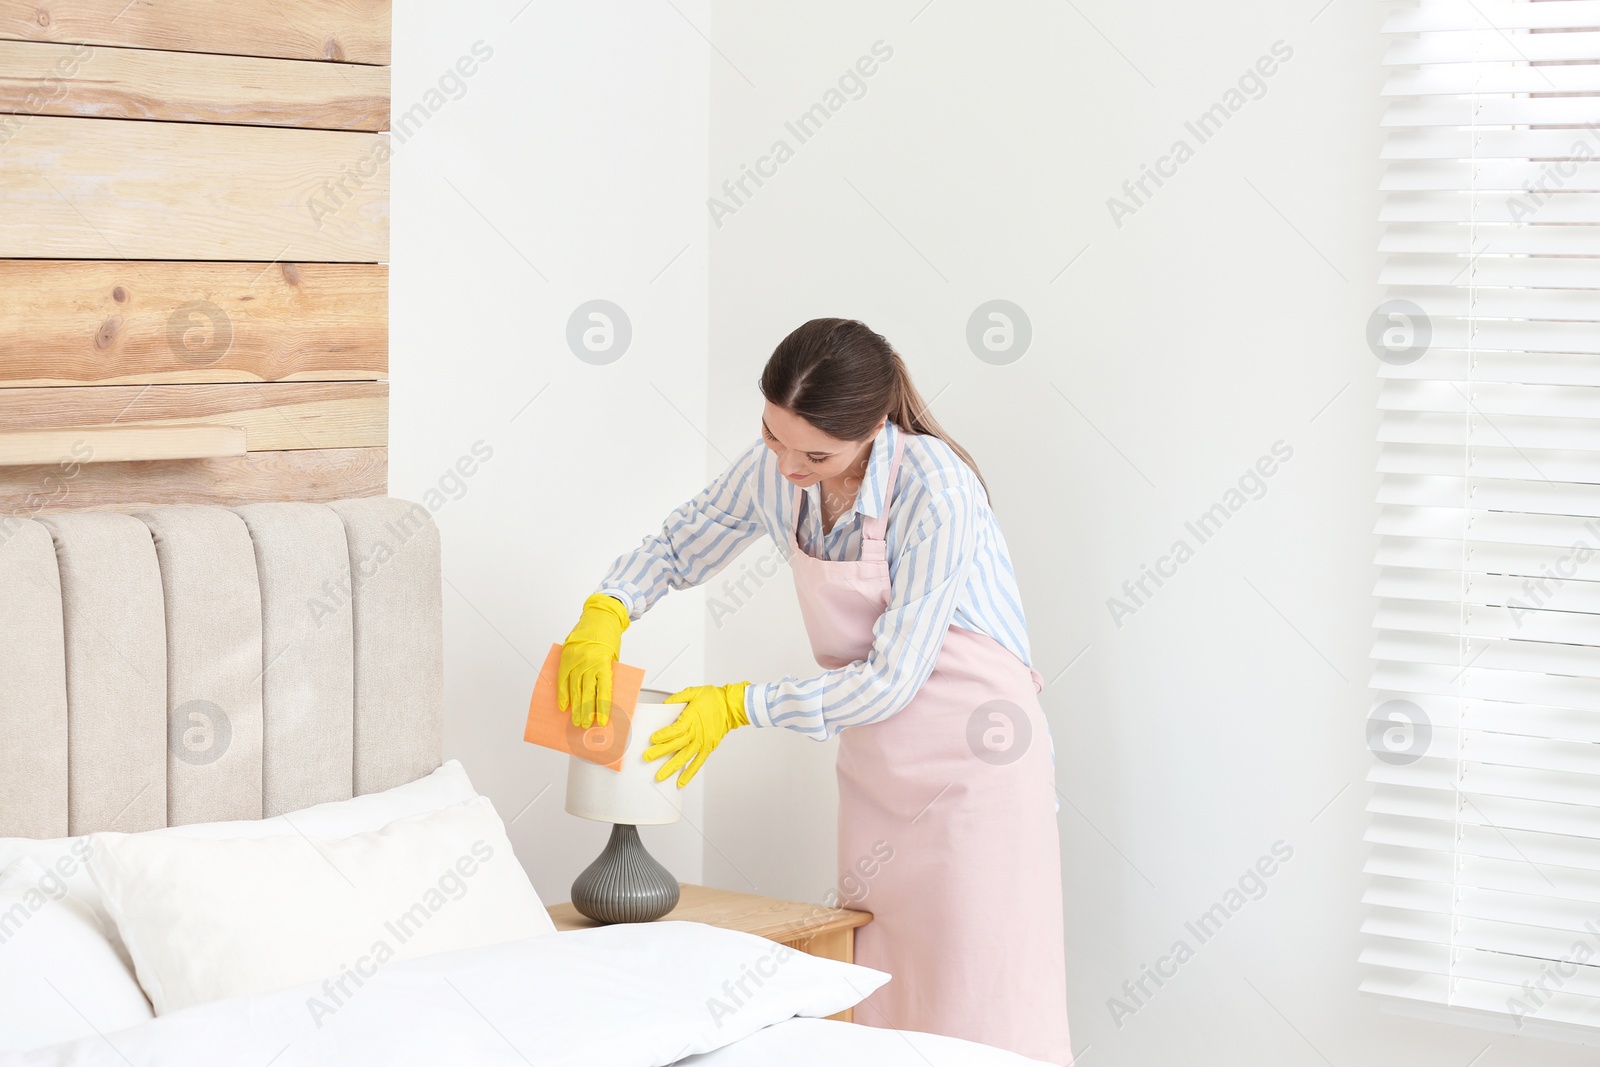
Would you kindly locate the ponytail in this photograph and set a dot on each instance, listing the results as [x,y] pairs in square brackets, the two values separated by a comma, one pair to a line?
[841,377]
[908,411]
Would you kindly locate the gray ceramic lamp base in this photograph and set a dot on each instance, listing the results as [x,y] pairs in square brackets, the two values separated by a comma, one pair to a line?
[625,884]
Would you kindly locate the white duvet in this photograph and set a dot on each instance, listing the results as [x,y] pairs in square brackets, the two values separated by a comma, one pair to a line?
[630,995]
[825,1042]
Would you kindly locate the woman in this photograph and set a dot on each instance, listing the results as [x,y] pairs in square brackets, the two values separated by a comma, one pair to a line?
[911,605]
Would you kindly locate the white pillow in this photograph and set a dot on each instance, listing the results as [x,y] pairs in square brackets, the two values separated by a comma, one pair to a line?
[59,977]
[606,996]
[208,919]
[68,856]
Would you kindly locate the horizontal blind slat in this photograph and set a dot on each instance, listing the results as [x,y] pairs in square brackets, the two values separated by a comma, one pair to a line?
[1477,431]
[1552,531]
[1523,495]
[1554,585]
[1572,172]
[1508,368]
[1490,45]
[1474,14]
[1445,460]
[1491,842]
[1457,78]
[1419,677]
[1506,239]
[1491,398]
[1459,267]
[1477,110]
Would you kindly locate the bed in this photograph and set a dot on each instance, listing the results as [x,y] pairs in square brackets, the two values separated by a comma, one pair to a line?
[228,834]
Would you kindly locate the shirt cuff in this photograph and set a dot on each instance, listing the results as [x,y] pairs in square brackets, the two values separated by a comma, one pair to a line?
[627,601]
[755,705]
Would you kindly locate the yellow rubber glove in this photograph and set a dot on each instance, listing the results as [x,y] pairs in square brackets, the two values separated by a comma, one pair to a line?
[583,681]
[712,711]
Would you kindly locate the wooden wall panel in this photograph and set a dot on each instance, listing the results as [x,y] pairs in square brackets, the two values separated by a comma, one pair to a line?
[107,443]
[66,322]
[318,475]
[193,224]
[125,83]
[99,189]
[275,417]
[350,31]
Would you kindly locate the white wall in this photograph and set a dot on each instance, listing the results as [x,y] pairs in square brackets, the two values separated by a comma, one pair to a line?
[1224,315]
[569,166]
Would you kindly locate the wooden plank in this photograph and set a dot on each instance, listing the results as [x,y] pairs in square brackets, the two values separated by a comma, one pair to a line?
[81,322]
[92,189]
[127,83]
[770,917]
[318,475]
[107,444]
[838,944]
[349,31]
[275,417]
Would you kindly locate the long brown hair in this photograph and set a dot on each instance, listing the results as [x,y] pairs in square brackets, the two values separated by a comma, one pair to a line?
[841,377]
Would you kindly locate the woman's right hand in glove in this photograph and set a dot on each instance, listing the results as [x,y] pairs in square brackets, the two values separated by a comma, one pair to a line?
[583,682]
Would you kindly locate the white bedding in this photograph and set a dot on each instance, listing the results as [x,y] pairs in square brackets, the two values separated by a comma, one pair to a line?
[631,995]
[814,1042]
[818,1042]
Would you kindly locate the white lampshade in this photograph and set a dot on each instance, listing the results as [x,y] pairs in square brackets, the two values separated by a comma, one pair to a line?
[632,794]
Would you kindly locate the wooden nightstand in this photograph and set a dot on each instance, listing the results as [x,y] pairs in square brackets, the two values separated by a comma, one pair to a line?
[813,928]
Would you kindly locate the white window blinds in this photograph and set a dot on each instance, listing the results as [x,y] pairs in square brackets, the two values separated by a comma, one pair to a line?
[1484,832]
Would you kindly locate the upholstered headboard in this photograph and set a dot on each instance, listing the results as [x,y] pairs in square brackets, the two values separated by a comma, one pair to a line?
[186,664]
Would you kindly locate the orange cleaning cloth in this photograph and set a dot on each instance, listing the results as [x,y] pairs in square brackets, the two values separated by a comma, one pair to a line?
[551,727]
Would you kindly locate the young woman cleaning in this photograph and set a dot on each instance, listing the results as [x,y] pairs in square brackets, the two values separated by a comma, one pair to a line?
[912,609]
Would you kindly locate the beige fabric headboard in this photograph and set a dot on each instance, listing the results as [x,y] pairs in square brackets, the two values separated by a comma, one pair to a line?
[187,664]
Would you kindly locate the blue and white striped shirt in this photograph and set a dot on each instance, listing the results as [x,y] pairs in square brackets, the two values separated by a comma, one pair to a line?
[948,566]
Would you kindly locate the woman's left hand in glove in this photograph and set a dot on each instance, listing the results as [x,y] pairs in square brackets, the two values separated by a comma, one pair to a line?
[712,710]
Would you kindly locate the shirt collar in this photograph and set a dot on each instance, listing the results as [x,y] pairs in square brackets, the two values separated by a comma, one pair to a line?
[869,498]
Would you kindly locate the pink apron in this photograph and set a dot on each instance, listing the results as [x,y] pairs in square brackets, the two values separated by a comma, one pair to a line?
[967,906]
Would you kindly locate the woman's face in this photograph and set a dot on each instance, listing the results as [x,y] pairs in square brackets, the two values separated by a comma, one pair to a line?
[806,454]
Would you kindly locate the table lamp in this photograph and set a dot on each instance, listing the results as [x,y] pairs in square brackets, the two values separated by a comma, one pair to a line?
[625,884]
